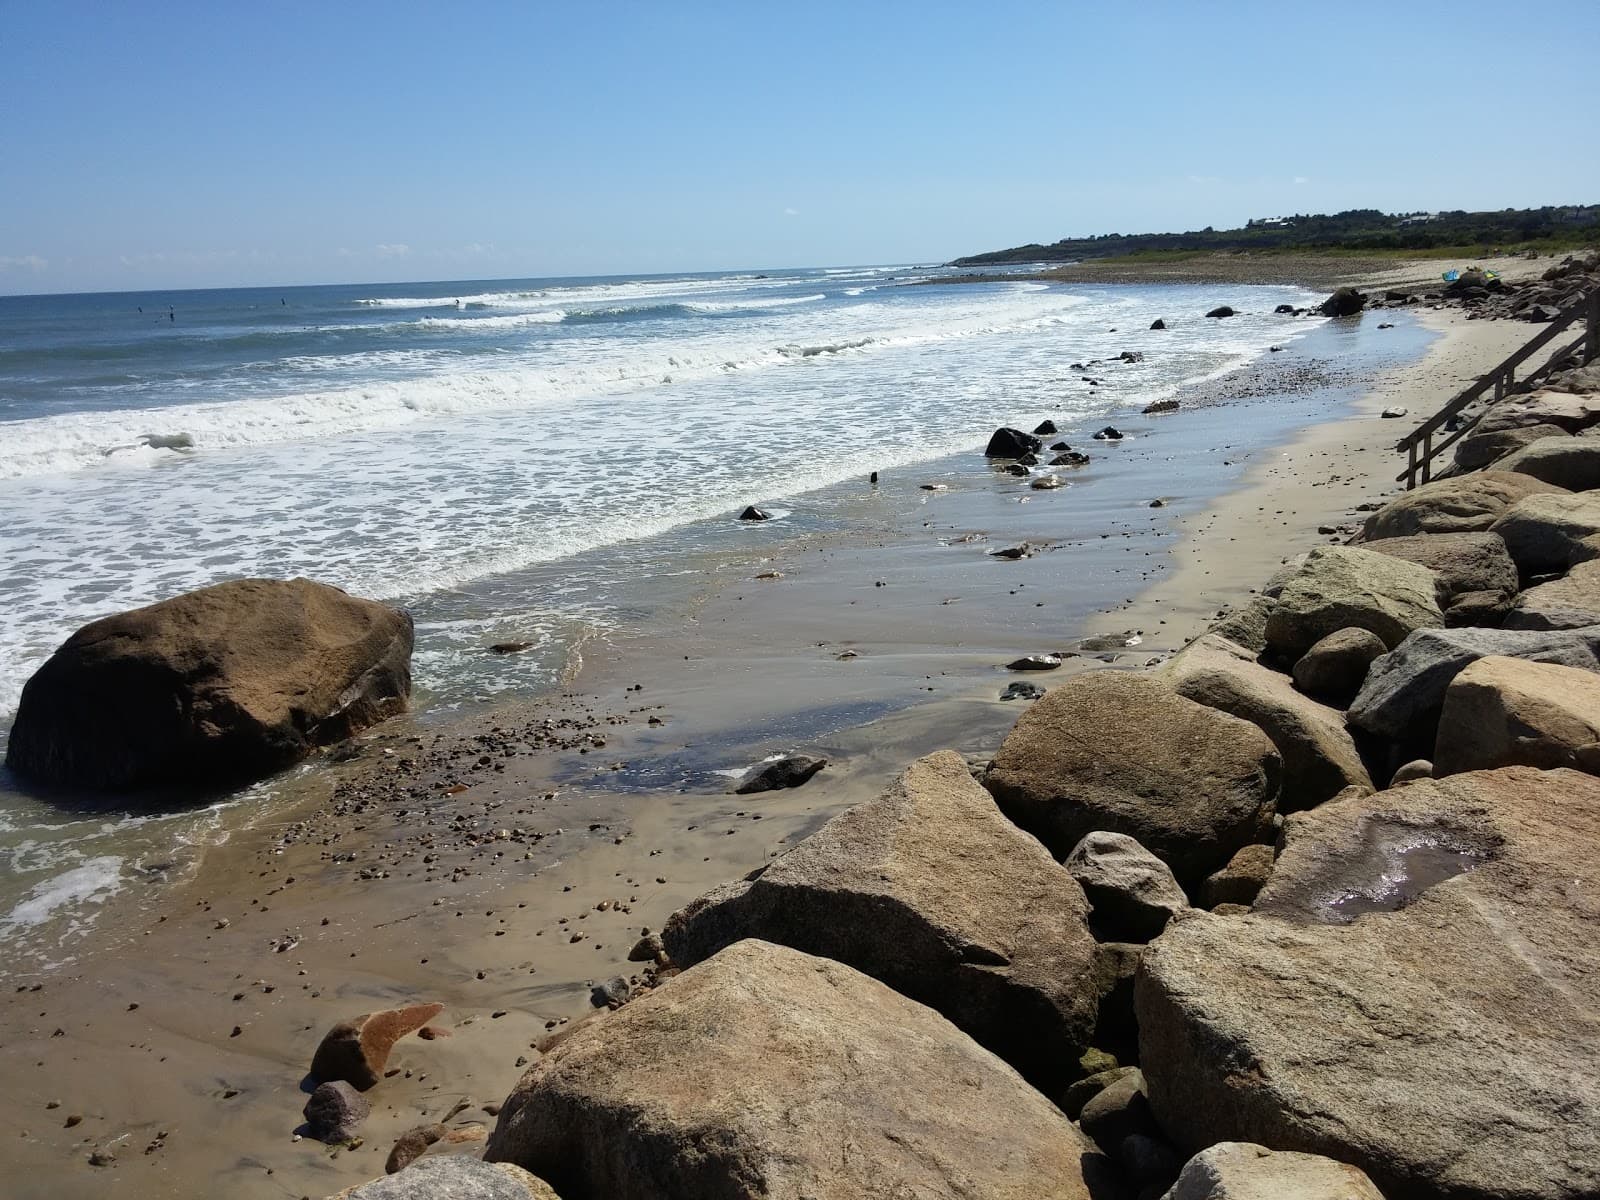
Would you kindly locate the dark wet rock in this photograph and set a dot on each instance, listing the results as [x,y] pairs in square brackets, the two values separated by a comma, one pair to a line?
[1018,469]
[1319,757]
[1160,406]
[752,513]
[1158,323]
[1071,458]
[1335,667]
[335,1111]
[1571,602]
[1283,309]
[1477,581]
[1246,1171]
[1418,968]
[1059,446]
[1341,587]
[1045,429]
[746,1075]
[1242,879]
[1112,750]
[1011,552]
[790,771]
[1132,892]
[1543,533]
[1222,310]
[1502,712]
[357,1050]
[1130,356]
[1404,689]
[1035,662]
[930,889]
[1345,302]
[1012,443]
[1109,434]
[1029,460]
[1022,691]
[510,647]
[454,1177]
[1464,504]
[227,683]
[1047,483]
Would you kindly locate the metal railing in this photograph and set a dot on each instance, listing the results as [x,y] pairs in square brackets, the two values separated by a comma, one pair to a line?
[1418,445]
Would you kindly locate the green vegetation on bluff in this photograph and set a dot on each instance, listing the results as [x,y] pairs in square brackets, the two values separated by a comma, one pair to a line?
[1359,229]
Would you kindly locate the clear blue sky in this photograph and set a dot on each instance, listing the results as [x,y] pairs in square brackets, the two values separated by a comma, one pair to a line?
[156,143]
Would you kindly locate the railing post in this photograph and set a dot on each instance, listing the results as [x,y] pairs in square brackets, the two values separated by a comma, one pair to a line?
[1427,458]
[1411,466]
[1591,336]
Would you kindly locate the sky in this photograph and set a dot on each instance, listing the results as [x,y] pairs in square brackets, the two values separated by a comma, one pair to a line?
[168,144]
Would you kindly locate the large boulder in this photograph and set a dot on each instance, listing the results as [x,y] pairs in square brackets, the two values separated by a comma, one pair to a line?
[1118,751]
[1412,995]
[1334,669]
[221,685]
[1480,448]
[1569,462]
[1503,712]
[1577,379]
[1461,504]
[1132,892]
[931,890]
[454,1177]
[1570,410]
[1344,302]
[1477,579]
[1345,587]
[767,1072]
[1247,625]
[1012,443]
[1405,688]
[1543,532]
[1571,602]
[1245,1171]
[1319,758]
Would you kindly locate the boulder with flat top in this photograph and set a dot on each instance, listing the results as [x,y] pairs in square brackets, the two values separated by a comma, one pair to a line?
[1502,712]
[1477,581]
[217,686]
[930,889]
[767,1072]
[1246,1171]
[1544,533]
[1569,462]
[1458,505]
[1480,448]
[1572,411]
[1412,993]
[1124,752]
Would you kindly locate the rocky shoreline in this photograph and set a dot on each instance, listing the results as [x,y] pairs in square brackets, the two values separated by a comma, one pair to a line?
[1166,935]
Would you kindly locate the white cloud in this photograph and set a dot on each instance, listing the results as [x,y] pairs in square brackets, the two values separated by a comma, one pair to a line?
[22,262]
[1301,179]
[791,212]
[392,249]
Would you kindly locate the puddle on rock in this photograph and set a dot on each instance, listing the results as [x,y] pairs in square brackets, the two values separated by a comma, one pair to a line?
[1392,867]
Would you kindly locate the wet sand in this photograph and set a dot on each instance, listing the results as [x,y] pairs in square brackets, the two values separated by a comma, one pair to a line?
[503,864]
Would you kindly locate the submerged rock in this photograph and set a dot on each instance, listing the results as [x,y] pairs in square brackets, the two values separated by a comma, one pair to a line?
[752,513]
[1012,443]
[1345,302]
[1412,994]
[767,1072]
[1222,310]
[227,683]
[931,890]
[790,771]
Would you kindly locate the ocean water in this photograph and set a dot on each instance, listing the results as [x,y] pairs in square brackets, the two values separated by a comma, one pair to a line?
[440,445]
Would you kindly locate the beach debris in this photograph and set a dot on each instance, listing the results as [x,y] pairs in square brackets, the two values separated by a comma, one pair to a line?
[1006,442]
[1158,323]
[1012,552]
[335,1111]
[1160,406]
[227,683]
[510,647]
[1035,662]
[1109,434]
[1046,483]
[102,1158]
[789,771]
[1022,690]
[411,1145]
[1045,428]
[1222,310]
[357,1050]
[752,513]
[934,487]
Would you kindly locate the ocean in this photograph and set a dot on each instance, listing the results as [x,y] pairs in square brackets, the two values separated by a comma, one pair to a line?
[448,446]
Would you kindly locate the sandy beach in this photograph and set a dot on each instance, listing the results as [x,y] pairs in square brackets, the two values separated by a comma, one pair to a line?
[505,863]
